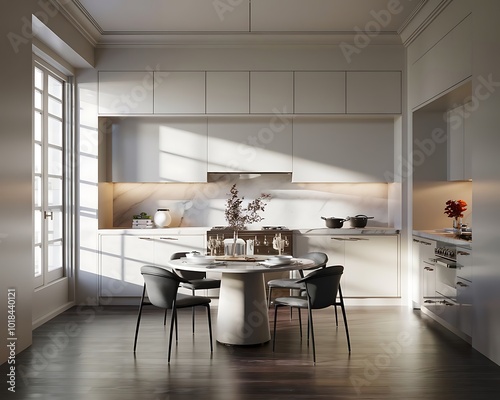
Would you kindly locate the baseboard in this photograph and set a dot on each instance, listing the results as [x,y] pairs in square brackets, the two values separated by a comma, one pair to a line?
[54,313]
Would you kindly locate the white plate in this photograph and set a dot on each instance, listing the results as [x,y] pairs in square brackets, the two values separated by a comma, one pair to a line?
[278,260]
[200,260]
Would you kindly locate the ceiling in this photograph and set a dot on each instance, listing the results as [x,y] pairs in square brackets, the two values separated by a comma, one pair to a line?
[108,22]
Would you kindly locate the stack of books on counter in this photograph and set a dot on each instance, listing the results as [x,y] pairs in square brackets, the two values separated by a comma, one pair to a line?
[142,223]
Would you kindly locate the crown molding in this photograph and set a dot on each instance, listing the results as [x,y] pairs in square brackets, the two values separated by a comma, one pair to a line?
[78,16]
[240,39]
[421,18]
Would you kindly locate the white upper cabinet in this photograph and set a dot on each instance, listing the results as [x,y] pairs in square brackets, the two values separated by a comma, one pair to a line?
[123,93]
[228,92]
[374,92]
[179,92]
[254,144]
[459,145]
[343,150]
[319,92]
[159,150]
[271,92]
[446,64]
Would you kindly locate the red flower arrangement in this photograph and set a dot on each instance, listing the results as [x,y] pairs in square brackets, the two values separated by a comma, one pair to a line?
[455,208]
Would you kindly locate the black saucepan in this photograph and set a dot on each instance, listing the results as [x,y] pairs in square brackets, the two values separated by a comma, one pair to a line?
[359,221]
[333,222]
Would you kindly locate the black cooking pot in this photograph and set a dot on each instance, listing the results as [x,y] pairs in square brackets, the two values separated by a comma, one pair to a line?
[334,222]
[359,221]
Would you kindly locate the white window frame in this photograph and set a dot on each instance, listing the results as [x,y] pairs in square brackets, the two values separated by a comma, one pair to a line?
[65,210]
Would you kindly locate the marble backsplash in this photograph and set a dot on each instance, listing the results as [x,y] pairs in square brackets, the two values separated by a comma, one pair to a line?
[292,205]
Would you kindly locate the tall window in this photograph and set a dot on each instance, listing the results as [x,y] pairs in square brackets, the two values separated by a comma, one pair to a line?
[49,173]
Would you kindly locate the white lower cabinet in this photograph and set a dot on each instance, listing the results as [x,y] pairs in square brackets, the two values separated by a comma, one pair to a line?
[371,267]
[122,256]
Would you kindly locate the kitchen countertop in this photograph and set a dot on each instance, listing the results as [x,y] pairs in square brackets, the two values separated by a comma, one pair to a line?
[200,230]
[443,236]
[350,231]
[194,230]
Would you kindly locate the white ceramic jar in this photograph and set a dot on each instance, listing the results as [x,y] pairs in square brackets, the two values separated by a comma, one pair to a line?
[162,218]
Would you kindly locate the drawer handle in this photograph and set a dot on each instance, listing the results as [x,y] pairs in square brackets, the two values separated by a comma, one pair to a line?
[463,253]
[145,238]
[168,238]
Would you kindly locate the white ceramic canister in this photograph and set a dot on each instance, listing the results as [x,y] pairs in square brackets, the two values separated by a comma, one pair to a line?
[162,218]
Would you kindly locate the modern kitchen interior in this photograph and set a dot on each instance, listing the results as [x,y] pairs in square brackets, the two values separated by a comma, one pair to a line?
[377,148]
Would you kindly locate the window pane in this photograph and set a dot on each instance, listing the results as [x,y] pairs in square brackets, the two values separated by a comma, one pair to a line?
[38,261]
[54,225]
[38,78]
[55,107]
[55,192]
[38,99]
[37,134]
[37,195]
[55,255]
[55,132]
[37,162]
[54,161]
[55,88]
[37,227]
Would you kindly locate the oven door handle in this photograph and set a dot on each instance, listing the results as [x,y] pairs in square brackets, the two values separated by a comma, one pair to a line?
[446,263]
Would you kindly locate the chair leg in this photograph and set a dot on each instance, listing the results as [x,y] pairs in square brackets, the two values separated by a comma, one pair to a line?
[139,317]
[274,329]
[342,306]
[269,291]
[300,321]
[336,316]
[173,319]
[210,328]
[312,333]
[165,317]
[176,328]
[192,312]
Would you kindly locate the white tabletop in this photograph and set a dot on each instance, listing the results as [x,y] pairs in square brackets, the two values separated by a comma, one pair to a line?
[240,266]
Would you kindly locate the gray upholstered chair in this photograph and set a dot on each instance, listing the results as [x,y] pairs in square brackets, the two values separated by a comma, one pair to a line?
[162,287]
[320,260]
[195,281]
[322,289]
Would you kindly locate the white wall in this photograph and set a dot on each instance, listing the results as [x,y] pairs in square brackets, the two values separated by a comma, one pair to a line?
[485,123]
[16,263]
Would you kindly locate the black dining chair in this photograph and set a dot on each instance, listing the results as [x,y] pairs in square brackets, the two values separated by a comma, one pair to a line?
[195,281]
[162,286]
[320,260]
[322,289]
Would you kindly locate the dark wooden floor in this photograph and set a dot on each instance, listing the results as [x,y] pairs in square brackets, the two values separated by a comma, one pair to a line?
[396,354]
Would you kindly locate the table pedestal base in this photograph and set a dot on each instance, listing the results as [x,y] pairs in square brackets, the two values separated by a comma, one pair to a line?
[242,315]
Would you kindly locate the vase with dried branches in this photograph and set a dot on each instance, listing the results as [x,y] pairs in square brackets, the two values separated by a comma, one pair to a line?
[238,216]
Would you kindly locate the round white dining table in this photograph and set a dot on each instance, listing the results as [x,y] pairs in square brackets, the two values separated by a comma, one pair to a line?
[242,315]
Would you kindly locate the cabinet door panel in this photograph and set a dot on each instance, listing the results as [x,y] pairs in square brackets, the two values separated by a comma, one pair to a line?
[271,92]
[180,93]
[122,93]
[371,267]
[319,92]
[121,259]
[374,92]
[340,150]
[250,145]
[228,93]
[445,65]
[159,150]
